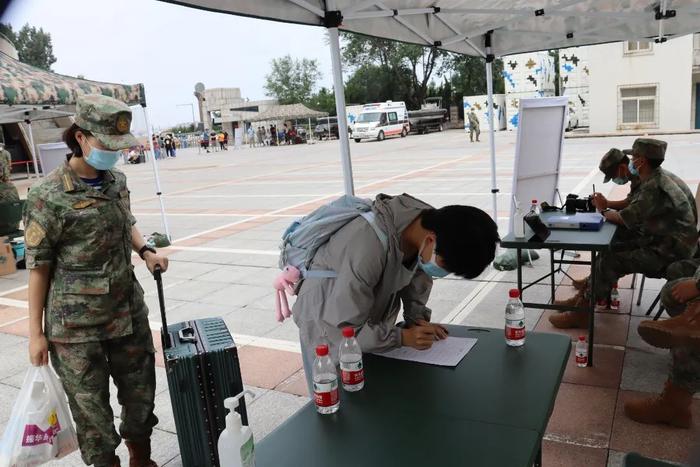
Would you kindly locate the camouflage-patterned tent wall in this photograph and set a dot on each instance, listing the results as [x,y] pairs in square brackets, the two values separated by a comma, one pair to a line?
[22,84]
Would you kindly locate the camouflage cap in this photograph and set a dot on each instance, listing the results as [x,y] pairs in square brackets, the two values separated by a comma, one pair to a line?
[652,149]
[108,119]
[609,162]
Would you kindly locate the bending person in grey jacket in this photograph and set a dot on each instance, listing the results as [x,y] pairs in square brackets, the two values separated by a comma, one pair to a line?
[373,281]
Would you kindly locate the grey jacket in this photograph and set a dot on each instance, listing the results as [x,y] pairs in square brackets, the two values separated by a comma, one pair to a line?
[372,283]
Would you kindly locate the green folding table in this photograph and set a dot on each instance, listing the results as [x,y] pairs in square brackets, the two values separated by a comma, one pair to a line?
[490,410]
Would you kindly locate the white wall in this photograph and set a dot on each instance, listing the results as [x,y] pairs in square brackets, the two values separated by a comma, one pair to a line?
[669,67]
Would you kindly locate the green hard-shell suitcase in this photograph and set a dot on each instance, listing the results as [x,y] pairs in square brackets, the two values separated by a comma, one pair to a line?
[201,362]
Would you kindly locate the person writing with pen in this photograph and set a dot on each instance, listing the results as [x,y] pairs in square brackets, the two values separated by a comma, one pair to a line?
[657,225]
[376,279]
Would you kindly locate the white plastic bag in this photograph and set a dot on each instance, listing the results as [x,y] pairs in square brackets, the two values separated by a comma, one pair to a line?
[40,428]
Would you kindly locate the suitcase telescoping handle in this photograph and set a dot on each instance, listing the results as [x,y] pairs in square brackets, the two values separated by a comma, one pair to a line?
[164,335]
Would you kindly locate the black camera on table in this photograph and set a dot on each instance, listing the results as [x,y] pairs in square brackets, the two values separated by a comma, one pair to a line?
[575,204]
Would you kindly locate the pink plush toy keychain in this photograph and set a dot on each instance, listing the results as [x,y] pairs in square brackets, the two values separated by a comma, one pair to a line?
[284,284]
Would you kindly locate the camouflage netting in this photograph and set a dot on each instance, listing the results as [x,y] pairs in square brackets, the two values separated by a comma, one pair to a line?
[22,84]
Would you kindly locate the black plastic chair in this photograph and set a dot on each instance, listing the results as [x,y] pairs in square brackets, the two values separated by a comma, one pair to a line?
[11,215]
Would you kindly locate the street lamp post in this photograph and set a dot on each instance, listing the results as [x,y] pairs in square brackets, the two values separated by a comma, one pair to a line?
[194,122]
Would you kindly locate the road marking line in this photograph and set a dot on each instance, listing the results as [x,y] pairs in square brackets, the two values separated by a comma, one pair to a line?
[14,303]
[236,251]
[16,289]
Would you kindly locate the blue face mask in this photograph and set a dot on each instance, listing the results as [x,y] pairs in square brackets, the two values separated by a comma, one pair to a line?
[431,268]
[619,180]
[633,170]
[102,159]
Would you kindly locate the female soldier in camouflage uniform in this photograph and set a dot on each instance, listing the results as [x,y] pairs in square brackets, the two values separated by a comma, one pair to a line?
[79,235]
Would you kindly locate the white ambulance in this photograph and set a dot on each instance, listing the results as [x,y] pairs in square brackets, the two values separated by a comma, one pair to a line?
[379,120]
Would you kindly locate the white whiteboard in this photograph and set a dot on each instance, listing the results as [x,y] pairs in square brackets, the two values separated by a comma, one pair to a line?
[538,151]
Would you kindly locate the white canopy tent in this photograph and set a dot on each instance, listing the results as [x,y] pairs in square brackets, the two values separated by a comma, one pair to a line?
[485,28]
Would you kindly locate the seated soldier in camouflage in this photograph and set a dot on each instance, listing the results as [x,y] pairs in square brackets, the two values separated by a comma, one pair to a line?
[657,228]
[86,308]
[681,334]
[8,192]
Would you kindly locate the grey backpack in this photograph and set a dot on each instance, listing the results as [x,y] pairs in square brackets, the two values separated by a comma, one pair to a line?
[305,236]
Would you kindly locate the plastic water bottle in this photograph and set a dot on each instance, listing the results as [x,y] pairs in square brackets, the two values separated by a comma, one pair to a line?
[352,373]
[515,320]
[534,207]
[581,352]
[518,223]
[615,299]
[325,378]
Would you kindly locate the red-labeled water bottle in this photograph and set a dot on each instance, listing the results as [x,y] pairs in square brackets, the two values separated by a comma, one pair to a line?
[352,373]
[515,320]
[615,299]
[326,394]
[581,352]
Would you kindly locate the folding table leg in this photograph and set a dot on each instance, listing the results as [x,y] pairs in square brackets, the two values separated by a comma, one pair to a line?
[520,273]
[538,457]
[551,270]
[591,305]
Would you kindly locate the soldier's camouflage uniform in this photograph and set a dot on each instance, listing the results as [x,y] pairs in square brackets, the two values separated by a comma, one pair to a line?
[473,126]
[660,228]
[95,317]
[8,191]
[685,366]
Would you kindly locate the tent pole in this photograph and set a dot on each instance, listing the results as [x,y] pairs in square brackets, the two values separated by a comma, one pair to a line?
[32,149]
[492,131]
[154,163]
[340,111]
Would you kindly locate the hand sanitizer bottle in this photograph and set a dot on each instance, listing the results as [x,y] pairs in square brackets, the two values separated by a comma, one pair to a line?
[236,445]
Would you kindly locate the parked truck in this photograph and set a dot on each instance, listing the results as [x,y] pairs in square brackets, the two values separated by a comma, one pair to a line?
[430,117]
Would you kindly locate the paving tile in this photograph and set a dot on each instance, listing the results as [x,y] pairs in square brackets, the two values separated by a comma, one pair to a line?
[188,269]
[556,454]
[617,459]
[251,321]
[573,420]
[236,295]
[635,341]
[610,328]
[267,368]
[286,331]
[606,372]
[645,371]
[9,314]
[8,395]
[657,441]
[296,384]
[271,410]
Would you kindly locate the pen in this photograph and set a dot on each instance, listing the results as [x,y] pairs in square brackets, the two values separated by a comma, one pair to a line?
[594,188]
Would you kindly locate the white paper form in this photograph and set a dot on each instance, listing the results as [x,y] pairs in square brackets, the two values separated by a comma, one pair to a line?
[447,352]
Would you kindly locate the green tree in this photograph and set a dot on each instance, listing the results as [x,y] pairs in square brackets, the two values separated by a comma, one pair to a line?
[469,76]
[33,45]
[409,66]
[323,100]
[292,80]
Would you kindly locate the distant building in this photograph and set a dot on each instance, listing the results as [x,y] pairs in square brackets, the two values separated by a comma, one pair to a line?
[526,76]
[643,85]
[225,106]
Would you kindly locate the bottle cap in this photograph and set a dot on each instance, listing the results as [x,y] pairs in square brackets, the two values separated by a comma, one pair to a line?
[348,332]
[582,338]
[514,293]
[322,350]
[615,285]
[534,201]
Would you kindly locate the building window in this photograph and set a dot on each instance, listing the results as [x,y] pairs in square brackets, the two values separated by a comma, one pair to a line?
[638,106]
[638,48]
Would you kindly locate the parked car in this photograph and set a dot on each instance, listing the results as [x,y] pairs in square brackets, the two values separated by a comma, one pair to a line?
[326,127]
[572,120]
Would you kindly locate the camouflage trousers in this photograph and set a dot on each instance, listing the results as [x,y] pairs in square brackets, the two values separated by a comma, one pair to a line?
[685,366]
[613,265]
[474,129]
[84,370]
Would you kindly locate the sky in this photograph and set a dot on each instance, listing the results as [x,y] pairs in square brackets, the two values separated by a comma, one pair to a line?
[167,47]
